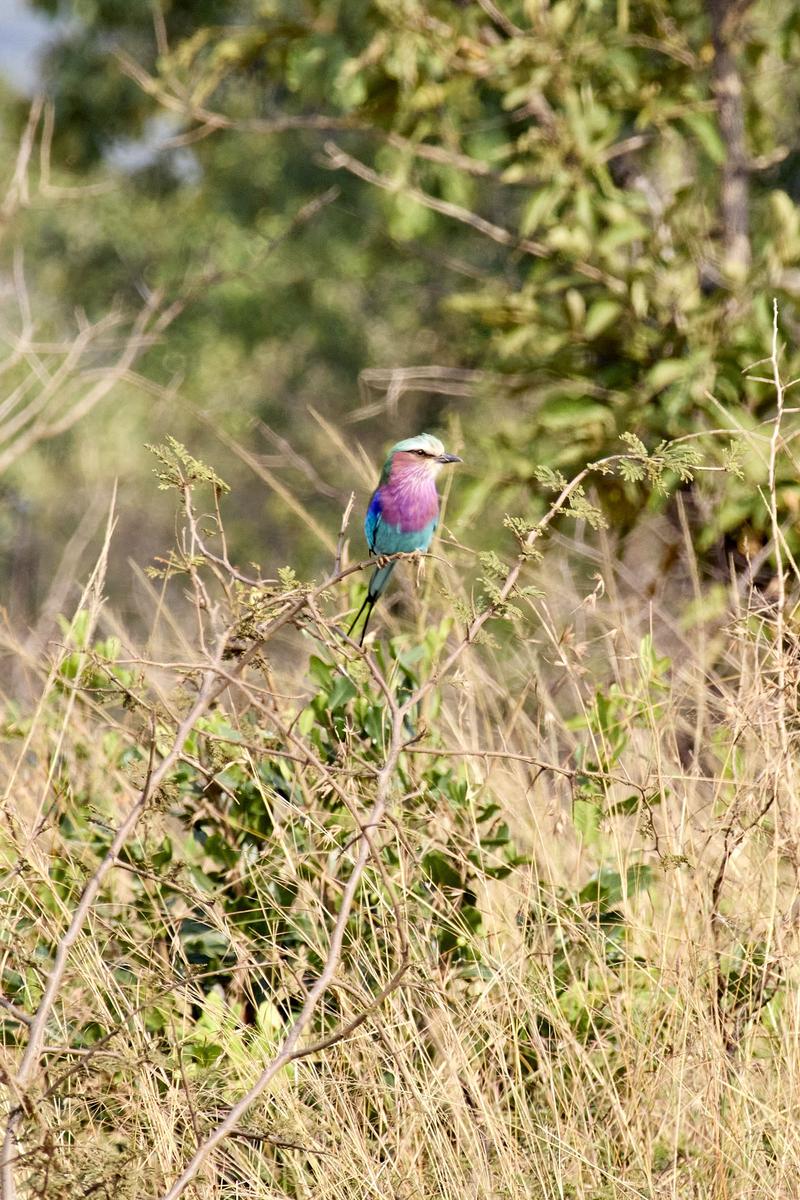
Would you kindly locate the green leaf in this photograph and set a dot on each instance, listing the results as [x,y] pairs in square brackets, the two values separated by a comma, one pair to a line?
[320,671]
[586,817]
[440,870]
[163,855]
[342,691]
[607,887]
[622,234]
[704,127]
[539,207]
[575,413]
[668,371]
[600,316]
[204,1053]
[630,804]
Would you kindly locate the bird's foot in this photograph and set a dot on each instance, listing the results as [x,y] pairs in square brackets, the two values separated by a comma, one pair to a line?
[420,560]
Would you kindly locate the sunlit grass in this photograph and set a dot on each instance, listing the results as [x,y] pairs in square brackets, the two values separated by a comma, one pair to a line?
[619,1019]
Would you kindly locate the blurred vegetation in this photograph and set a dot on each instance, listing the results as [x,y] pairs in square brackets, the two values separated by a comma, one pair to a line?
[563,217]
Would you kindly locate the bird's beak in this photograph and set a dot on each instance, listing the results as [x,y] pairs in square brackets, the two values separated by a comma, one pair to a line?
[448,458]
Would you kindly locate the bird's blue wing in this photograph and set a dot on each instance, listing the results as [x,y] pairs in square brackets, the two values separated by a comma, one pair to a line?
[372,522]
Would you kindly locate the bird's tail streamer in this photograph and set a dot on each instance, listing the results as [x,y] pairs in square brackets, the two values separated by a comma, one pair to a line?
[377,584]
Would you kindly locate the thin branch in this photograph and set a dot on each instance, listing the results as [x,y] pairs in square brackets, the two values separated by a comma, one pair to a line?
[337,562]
[17,195]
[339,160]
[213,121]
[291,1048]
[499,18]
[17,1013]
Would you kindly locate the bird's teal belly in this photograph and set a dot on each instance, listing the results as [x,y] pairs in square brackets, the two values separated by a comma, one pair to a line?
[390,539]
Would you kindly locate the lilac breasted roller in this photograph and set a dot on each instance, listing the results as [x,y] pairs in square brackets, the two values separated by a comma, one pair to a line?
[404,510]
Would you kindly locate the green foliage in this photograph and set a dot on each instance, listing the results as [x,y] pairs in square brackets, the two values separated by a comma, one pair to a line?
[179,469]
[601,303]
[92,665]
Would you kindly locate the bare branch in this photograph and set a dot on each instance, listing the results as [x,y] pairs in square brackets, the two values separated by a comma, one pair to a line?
[213,121]
[339,160]
[17,195]
[291,1048]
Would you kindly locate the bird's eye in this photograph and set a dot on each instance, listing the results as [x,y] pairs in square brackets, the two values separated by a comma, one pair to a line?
[420,452]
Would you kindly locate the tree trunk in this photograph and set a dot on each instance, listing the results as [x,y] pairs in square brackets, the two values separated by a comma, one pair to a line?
[735,189]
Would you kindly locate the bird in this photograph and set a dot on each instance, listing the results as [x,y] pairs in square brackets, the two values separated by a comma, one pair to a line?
[404,510]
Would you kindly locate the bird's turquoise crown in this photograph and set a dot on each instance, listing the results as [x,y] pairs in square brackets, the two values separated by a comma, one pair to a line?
[423,441]
[427,447]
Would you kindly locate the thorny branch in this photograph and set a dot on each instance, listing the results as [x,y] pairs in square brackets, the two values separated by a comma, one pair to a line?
[292,1048]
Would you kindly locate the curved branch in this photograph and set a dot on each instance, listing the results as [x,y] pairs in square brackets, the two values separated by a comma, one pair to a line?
[339,160]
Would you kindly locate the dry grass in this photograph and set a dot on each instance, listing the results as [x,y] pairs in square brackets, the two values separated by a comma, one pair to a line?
[542,1058]
[264,933]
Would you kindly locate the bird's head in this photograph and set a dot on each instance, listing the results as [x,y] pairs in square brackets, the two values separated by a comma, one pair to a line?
[422,454]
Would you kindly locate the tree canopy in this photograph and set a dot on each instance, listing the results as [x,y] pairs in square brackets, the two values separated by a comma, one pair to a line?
[571,217]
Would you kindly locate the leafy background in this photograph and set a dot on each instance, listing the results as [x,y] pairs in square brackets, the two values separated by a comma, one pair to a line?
[587,134]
